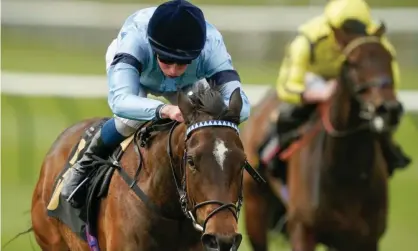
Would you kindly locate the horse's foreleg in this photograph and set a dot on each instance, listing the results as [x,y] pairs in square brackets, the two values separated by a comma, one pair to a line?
[302,238]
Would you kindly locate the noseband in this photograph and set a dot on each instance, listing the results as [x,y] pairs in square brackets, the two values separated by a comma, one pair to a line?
[182,185]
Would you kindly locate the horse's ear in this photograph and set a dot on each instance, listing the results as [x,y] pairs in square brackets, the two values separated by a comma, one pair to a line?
[185,105]
[235,102]
[380,31]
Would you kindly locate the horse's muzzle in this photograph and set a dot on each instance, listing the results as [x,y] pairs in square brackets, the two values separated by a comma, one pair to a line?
[216,242]
[392,111]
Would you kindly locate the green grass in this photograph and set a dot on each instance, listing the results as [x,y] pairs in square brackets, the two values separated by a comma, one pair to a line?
[374,3]
[30,125]
[20,53]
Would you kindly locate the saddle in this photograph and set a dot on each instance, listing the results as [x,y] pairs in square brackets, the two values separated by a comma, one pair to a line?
[83,221]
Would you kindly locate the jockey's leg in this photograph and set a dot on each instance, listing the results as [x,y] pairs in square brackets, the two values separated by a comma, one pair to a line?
[103,143]
[393,154]
[292,116]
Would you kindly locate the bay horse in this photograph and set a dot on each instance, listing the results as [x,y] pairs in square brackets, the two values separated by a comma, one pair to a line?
[191,176]
[337,177]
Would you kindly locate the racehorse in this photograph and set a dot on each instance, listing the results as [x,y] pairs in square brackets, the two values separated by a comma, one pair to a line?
[336,175]
[200,161]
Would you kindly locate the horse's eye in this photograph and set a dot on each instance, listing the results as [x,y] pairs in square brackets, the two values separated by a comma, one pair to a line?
[190,161]
[362,89]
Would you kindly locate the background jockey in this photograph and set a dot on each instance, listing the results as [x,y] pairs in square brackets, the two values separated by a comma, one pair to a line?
[312,62]
[157,51]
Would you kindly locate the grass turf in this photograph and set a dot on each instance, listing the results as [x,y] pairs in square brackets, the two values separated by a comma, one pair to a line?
[30,125]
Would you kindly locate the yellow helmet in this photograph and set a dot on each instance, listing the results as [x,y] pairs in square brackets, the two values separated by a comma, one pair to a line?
[339,11]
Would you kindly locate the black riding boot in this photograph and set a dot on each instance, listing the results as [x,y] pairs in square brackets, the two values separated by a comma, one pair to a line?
[393,154]
[79,171]
[291,117]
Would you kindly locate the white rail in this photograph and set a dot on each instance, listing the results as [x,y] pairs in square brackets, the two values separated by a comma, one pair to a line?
[30,84]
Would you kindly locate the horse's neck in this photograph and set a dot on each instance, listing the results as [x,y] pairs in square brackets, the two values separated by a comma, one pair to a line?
[162,183]
[353,155]
[344,111]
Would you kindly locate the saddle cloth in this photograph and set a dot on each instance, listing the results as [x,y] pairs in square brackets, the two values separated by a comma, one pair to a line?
[96,188]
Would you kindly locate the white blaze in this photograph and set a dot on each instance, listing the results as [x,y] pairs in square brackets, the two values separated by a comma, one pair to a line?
[219,151]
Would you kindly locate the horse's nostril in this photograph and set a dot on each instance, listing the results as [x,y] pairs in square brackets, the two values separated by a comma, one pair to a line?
[210,242]
[214,242]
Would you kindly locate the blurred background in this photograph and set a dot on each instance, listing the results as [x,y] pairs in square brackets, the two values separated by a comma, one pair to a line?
[53,74]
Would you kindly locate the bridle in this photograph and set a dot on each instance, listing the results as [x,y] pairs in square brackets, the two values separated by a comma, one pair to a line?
[189,210]
[368,113]
[142,137]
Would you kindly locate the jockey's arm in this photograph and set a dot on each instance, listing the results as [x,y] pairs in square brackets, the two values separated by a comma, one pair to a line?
[291,80]
[217,68]
[126,97]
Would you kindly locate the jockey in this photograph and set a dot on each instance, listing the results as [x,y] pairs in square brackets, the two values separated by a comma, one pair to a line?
[158,51]
[309,70]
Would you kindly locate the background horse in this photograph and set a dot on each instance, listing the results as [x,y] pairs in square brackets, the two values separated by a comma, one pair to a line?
[338,181]
[263,204]
[205,156]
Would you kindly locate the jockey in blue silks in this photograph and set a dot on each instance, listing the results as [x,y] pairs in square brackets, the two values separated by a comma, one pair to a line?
[158,51]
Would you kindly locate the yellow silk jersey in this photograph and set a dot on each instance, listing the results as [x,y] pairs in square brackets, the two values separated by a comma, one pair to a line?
[316,50]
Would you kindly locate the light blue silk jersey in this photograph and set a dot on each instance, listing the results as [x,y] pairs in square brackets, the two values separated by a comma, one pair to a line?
[134,72]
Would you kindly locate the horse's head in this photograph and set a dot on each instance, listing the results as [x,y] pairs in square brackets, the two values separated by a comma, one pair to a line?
[213,165]
[368,79]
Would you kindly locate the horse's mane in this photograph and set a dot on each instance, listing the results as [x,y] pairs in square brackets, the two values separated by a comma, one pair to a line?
[207,100]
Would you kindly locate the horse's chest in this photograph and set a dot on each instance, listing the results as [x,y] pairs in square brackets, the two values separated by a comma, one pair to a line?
[171,235]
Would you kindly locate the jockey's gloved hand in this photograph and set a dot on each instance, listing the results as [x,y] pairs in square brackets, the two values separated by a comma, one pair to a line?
[317,95]
[172,112]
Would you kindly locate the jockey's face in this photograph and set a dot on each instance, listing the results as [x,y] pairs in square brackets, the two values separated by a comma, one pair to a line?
[344,38]
[172,69]
[350,30]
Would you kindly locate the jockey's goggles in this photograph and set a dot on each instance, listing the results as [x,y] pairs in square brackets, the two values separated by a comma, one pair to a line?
[170,61]
[353,26]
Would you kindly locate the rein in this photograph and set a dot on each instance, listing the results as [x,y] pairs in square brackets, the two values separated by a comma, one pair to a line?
[141,139]
[329,128]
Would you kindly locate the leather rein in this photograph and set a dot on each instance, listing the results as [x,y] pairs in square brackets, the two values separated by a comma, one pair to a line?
[142,138]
